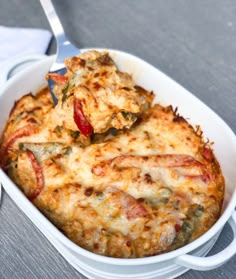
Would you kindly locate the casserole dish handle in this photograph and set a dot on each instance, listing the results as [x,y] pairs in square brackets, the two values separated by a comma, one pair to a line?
[12,67]
[211,262]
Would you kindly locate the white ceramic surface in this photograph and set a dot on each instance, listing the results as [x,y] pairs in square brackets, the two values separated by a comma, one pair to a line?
[168,92]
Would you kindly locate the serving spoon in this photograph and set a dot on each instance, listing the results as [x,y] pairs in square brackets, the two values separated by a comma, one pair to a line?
[65,48]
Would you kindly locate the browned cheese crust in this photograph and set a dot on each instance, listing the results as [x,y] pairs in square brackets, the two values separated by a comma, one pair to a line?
[134,193]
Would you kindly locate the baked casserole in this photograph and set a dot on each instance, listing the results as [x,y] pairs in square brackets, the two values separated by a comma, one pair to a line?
[119,175]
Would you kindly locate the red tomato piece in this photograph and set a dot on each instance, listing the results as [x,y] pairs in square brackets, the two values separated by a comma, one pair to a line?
[57,78]
[133,209]
[177,227]
[38,174]
[82,123]
[19,133]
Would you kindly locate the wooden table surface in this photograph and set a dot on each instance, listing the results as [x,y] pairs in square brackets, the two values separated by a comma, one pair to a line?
[194,42]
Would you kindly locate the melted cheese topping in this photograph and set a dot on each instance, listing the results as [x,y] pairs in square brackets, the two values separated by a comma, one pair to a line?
[139,192]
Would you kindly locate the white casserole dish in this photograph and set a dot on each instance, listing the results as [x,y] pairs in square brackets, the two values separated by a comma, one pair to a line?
[169,265]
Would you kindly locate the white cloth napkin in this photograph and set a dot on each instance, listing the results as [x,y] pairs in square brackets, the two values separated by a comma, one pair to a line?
[16,41]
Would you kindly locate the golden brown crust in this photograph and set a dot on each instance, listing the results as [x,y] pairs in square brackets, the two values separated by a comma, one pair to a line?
[139,192]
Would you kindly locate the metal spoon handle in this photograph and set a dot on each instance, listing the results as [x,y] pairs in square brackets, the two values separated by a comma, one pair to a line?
[65,48]
[53,20]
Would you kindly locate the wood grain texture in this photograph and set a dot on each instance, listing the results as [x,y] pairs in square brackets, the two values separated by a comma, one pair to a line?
[194,42]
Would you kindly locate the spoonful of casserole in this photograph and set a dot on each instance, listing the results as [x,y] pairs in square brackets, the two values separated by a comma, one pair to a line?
[95,96]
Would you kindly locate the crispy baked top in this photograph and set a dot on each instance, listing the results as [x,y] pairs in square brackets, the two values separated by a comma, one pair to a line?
[135,192]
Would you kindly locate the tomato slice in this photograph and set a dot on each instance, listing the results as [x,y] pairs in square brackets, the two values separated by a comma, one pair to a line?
[80,120]
[177,227]
[135,210]
[19,133]
[38,174]
[57,78]
[132,208]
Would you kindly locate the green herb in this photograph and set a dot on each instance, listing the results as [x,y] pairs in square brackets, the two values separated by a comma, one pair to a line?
[64,93]
[197,212]
[67,151]
[43,151]
[185,234]
[74,134]
[128,116]
[105,60]
[58,129]
[158,201]
[163,194]
[187,228]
